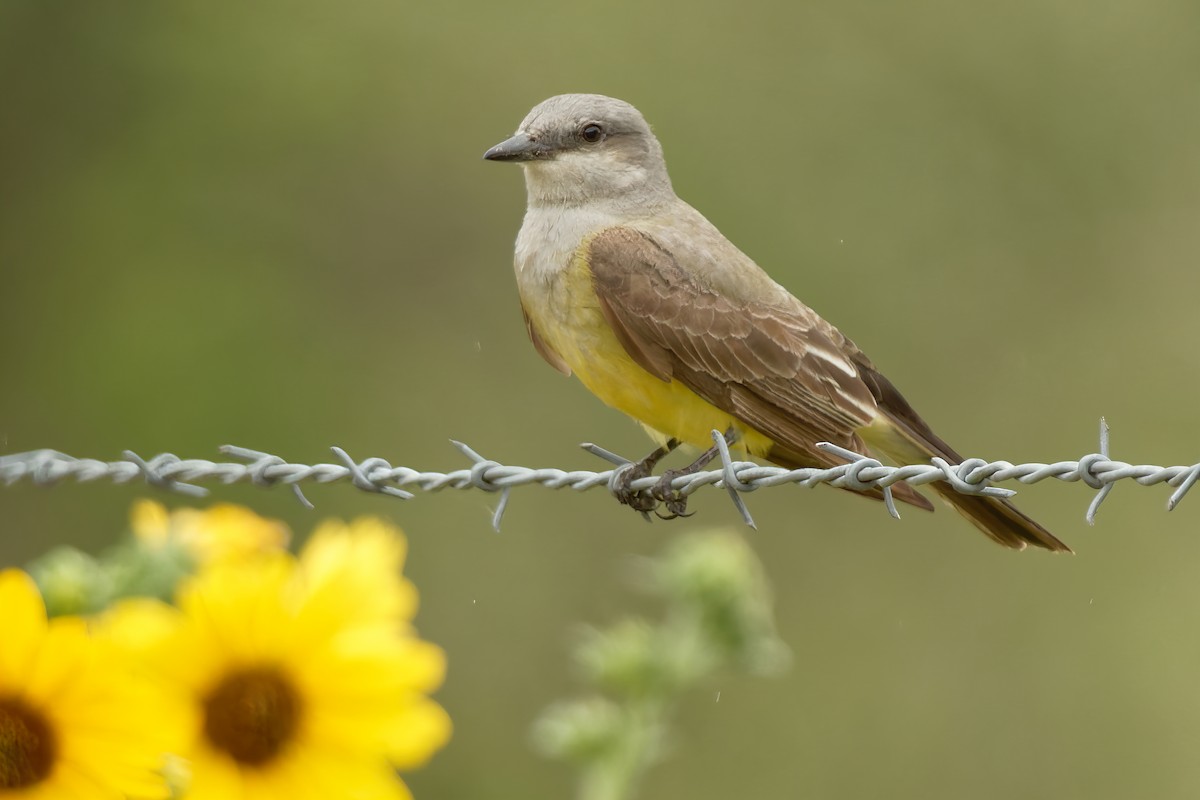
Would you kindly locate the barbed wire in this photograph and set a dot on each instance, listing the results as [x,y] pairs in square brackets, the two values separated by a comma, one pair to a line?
[973,476]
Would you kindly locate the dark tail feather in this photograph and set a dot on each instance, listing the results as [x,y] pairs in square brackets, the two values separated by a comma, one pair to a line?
[904,436]
[1000,520]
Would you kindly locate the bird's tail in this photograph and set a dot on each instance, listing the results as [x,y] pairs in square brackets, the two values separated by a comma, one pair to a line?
[998,518]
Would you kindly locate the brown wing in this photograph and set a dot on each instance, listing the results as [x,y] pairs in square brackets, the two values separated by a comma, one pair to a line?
[780,369]
[775,365]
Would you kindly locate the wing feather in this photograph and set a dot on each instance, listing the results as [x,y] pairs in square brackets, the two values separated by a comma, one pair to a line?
[778,368]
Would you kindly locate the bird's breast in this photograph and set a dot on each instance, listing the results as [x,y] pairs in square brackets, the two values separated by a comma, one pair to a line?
[555,283]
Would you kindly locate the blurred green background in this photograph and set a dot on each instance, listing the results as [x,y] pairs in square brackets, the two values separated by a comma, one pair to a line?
[268,224]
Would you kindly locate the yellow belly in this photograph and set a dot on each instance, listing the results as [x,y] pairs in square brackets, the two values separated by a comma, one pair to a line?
[666,410]
[569,320]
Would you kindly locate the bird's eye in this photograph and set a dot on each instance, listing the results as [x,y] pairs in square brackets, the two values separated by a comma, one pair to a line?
[591,133]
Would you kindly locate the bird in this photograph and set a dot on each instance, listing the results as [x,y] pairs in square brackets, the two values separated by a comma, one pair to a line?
[627,287]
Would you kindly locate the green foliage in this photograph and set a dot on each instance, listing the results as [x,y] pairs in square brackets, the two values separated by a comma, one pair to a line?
[718,615]
[73,582]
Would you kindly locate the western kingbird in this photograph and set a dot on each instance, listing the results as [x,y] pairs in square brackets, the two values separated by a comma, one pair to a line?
[633,291]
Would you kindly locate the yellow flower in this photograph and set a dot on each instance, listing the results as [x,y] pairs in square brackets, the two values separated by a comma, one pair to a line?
[73,723]
[224,532]
[354,572]
[303,677]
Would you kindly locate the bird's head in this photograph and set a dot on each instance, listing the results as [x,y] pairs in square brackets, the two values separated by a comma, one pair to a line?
[580,148]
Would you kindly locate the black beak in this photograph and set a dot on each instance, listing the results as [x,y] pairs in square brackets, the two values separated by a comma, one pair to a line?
[519,148]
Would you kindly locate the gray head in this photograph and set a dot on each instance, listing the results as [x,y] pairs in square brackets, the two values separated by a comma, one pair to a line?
[579,148]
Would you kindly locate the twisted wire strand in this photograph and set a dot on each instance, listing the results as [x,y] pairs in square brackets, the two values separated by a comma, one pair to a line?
[973,476]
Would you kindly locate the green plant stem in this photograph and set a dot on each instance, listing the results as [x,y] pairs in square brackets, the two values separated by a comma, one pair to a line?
[617,777]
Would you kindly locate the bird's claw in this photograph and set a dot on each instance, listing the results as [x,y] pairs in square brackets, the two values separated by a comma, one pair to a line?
[675,511]
[634,498]
[675,501]
[661,494]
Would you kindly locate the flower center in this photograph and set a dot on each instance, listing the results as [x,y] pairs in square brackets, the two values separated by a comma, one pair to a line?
[252,714]
[27,745]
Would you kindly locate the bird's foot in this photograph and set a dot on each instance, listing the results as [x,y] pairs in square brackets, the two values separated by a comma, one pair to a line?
[626,495]
[640,500]
[674,500]
[662,492]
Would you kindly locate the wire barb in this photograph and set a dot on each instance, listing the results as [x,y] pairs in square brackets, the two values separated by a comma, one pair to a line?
[974,476]
[729,478]
[259,470]
[480,480]
[854,479]
[1086,466]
